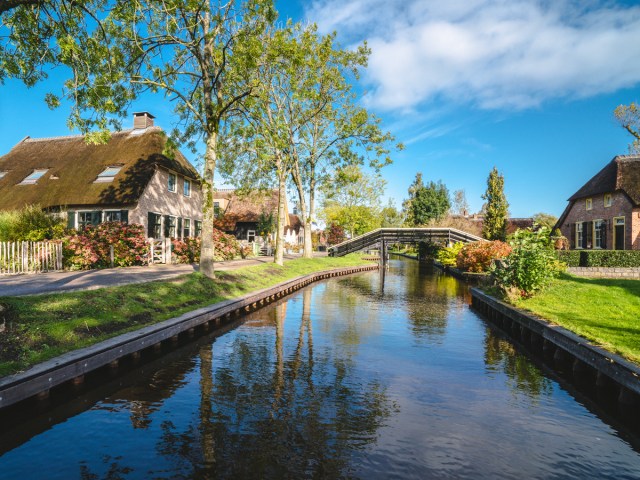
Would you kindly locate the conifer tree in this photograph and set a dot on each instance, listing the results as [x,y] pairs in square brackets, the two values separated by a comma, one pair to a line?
[495,218]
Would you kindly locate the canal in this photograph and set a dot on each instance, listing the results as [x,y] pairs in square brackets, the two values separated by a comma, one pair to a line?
[357,377]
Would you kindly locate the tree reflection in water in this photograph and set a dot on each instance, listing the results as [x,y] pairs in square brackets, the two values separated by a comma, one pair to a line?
[276,408]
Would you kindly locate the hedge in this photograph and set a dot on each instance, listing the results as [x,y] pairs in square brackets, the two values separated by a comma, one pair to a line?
[600,258]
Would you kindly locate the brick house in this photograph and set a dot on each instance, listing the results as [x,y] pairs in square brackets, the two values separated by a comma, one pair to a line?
[127,179]
[241,215]
[605,212]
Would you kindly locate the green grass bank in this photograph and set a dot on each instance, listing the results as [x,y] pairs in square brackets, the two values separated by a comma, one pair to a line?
[605,312]
[37,328]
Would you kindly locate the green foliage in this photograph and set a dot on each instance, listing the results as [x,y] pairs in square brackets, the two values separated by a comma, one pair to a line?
[545,220]
[427,250]
[431,202]
[407,210]
[610,258]
[447,255]
[478,257]
[628,116]
[496,211]
[30,224]
[531,265]
[391,217]
[571,258]
[266,224]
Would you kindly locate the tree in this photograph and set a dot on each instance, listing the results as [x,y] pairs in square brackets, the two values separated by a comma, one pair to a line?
[406,204]
[545,220]
[391,217]
[352,200]
[431,202]
[628,116]
[335,234]
[460,204]
[496,213]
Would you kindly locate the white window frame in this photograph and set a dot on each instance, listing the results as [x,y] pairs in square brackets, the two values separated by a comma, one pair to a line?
[34,176]
[251,233]
[588,204]
[608,201]
[105,212]
[186,187]
[597,233]
[186,221]
[173,188]
[159,225]
[579,234]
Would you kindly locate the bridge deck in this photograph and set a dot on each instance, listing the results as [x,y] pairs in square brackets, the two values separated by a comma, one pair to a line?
[401,235]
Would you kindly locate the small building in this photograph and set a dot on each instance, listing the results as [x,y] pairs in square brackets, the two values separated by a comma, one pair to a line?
[127,179]
[246,215]
[605,212]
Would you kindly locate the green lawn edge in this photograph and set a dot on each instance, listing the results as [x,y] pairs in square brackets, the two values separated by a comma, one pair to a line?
[606,312]
[41,327]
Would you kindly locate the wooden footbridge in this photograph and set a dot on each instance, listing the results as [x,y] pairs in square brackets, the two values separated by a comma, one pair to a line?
[381,237]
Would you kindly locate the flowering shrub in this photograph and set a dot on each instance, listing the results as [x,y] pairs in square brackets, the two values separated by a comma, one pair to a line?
[478,256]
[225,247]
[90,247]
[447,256]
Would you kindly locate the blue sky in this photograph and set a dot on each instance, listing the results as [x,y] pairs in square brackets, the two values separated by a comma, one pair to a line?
[527,86]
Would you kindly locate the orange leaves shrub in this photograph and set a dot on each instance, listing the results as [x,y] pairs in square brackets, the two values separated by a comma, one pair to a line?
[478,256]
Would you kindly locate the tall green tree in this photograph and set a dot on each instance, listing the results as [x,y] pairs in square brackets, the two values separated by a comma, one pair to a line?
[497,208]
[406,204]
[391,216]
[628,116]
[430,202]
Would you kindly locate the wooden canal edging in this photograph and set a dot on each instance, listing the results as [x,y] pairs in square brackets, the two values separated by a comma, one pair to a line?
[603,368]
[72,366]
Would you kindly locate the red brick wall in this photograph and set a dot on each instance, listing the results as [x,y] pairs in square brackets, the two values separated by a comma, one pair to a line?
[621,206]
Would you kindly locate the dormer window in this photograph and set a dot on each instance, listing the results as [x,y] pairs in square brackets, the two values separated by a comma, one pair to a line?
[34,176]
[589,204]
[107,175]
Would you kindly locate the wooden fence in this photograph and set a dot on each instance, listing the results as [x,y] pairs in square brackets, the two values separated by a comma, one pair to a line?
[30,257]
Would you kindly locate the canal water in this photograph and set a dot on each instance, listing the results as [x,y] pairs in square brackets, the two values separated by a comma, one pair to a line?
[355,377]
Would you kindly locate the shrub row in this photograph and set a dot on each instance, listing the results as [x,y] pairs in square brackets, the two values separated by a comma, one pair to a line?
[600,258]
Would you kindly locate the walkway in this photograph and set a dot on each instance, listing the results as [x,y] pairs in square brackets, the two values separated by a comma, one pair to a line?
[34,284]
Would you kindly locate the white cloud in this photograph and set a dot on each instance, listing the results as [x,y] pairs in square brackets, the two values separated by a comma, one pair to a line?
[495,54]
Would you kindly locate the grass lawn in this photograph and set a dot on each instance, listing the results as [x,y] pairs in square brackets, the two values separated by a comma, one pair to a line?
[44,326]
[606,312]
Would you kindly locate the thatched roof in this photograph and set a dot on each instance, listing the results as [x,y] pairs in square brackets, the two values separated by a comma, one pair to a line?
[245,208]
[621,173]
[73,167]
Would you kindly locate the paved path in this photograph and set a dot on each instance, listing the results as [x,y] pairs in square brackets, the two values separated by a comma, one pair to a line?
[33,284]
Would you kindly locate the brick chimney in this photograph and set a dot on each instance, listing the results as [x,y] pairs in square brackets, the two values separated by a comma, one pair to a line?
[142,120]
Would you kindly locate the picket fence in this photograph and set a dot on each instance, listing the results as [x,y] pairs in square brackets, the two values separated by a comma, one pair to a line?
[30,257]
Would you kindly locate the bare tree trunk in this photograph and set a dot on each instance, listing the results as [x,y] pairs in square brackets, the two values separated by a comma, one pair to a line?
[312,211]
[207,248]
[306,219]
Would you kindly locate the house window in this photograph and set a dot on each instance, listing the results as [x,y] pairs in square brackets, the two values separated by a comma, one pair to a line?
[251,235]
[599,234]
[170,224]
[589,204]
[155,225]
[618,233]
[116,216]
[107,175]
[88,218]
[34,176]
[198,228]
[186,188]
[216,209]
[187,228]
[171,183]
[607,199]
[579,235]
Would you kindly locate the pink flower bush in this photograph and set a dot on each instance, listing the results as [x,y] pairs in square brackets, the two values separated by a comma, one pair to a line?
[226,247]
[90,247]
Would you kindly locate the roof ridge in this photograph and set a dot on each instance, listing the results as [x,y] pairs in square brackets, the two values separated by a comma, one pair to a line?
[630,156]
[80,135]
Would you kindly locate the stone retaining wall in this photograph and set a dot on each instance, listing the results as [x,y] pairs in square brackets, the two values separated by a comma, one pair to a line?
[605,272]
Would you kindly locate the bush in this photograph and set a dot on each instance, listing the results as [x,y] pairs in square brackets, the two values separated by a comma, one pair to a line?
[225,247]
[569,257]
[187,250]
[91,247]
[335,234]
[447,255]
[478,256]
[427,250]
[531,265]
[30,224]
[610,258]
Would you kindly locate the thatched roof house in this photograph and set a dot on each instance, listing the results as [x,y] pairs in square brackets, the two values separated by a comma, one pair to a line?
[129,178]
[605,212]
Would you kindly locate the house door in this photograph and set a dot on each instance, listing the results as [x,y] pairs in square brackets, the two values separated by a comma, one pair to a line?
[618,232]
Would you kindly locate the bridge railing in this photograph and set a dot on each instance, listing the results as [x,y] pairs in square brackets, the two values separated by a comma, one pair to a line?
[401,235]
